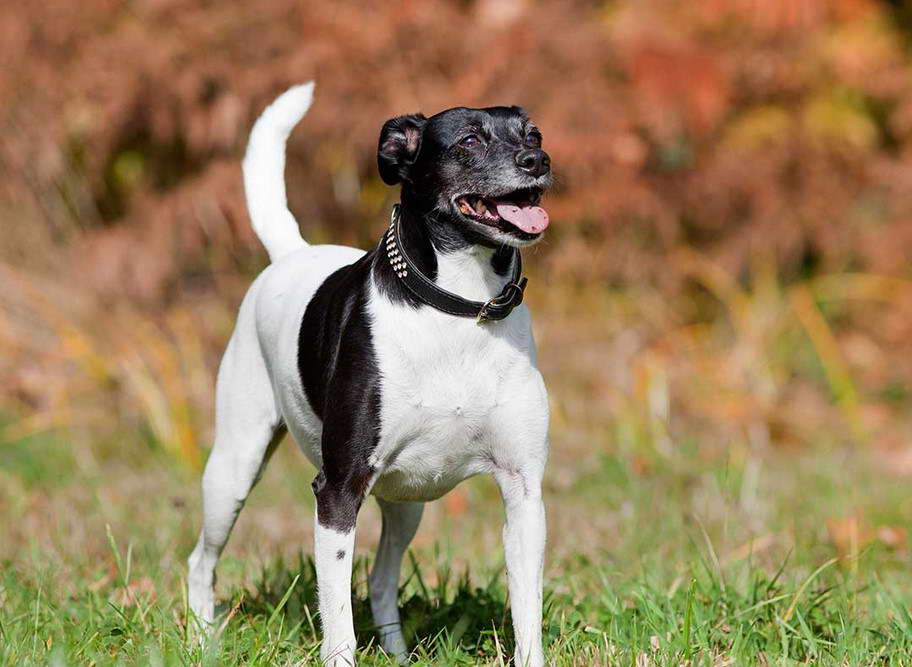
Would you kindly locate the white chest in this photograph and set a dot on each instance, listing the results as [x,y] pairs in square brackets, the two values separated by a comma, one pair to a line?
[450,388]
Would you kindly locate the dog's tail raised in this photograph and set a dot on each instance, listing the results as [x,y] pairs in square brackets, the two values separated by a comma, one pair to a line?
[264,172]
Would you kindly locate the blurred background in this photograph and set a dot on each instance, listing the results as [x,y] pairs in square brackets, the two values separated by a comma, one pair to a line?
[727,280]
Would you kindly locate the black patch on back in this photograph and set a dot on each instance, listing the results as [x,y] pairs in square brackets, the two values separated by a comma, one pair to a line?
[341,380]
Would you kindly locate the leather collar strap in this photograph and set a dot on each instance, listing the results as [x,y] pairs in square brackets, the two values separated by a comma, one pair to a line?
[428,292]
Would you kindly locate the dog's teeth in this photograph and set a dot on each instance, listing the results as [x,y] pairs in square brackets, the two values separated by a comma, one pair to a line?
[465,208]
[481,207]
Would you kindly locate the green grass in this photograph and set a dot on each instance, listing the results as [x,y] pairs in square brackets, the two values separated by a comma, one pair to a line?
[650,562]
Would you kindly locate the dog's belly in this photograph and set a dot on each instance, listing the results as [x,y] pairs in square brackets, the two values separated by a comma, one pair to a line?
[422,478]
[434,441]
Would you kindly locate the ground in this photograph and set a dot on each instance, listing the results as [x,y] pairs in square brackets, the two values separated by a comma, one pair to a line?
[652,559]
[718,505]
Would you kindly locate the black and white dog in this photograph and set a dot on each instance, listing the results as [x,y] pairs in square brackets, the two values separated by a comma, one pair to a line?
[400,371]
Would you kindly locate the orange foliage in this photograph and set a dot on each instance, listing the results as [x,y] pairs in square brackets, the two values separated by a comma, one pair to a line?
[751,132]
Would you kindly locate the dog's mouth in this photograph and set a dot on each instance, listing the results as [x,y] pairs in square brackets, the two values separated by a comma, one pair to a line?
[519,209]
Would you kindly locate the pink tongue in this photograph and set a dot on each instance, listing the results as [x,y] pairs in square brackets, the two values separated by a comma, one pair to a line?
[530,219]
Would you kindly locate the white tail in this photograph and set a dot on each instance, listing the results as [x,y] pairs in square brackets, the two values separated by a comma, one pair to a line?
[264,172]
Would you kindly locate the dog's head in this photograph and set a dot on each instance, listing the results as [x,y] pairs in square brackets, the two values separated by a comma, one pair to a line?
[481,171]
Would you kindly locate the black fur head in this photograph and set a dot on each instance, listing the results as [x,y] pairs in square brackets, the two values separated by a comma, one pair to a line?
[473,176]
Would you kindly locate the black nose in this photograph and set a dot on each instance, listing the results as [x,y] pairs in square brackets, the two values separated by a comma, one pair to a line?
[534,161]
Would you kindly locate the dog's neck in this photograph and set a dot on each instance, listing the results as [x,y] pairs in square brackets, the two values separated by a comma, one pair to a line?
[470,273]
[443,254]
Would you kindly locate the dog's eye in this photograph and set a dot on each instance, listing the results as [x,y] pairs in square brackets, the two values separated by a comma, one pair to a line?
[533,140]
[470,141]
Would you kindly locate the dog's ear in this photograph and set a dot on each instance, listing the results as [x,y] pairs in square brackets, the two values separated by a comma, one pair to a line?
[400,140]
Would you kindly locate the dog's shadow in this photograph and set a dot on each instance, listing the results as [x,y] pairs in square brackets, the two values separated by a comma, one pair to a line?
[442,616]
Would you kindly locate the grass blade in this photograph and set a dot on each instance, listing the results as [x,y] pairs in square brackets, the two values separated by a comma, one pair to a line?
[803,587]
[282,602]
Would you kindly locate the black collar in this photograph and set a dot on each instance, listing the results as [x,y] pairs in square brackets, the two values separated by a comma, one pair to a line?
[427,291]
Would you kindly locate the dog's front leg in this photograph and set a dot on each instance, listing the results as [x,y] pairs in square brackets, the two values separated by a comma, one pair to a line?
[339,498]
[333,556]
[524,551]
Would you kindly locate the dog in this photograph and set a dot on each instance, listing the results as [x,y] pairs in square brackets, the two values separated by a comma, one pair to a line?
[400,371]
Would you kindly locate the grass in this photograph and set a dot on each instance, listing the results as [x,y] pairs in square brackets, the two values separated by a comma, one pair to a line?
[653,559]
[704,505]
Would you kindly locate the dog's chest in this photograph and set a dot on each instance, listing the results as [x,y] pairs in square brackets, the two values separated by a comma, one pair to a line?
[445,384]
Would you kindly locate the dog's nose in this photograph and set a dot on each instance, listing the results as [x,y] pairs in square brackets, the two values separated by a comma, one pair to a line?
[534,161]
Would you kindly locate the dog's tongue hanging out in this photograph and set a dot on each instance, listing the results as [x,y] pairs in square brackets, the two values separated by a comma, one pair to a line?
[530,219]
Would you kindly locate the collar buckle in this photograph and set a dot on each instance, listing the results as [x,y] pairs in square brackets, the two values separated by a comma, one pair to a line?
[504,303]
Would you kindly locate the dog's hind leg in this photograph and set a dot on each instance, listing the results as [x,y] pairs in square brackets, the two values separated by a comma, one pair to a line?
[400,521]
[247,430]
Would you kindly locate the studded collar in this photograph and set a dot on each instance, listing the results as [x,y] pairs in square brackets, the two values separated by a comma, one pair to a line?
[428,292]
